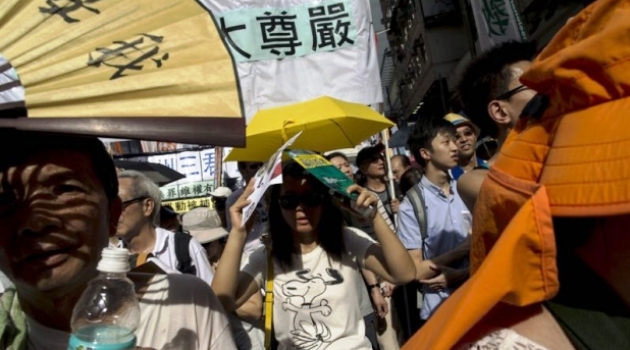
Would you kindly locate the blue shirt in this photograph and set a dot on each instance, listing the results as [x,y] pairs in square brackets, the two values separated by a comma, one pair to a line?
[448,224]
[457,171]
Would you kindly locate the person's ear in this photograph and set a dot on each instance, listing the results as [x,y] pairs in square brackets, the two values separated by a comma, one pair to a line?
[115,209]
[498,113]
[425,154]
[148,206]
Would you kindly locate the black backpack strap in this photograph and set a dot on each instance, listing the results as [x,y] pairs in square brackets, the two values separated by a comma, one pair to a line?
[182,252]
[416,197]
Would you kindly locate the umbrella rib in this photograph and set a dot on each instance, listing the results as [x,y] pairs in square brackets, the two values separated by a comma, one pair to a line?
[343,132]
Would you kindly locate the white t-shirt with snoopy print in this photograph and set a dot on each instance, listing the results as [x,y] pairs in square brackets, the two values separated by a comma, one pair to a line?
[316,304]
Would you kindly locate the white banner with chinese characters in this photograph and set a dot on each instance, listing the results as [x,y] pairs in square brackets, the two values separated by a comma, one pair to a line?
[187,190]
[497,21]
[199,167]
[289,51]
[183,205]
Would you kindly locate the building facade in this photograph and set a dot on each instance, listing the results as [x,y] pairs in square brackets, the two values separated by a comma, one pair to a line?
[432,41]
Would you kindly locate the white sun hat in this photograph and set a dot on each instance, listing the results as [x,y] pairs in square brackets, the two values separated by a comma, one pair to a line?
[204,225]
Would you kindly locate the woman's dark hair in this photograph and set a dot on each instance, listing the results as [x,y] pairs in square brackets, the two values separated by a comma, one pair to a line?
[329,228]
[335,155]
[360,178]
[408,179]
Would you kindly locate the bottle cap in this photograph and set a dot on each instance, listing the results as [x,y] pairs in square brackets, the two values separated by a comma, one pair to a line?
[114,260]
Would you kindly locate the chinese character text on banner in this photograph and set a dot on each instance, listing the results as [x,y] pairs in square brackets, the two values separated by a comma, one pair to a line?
[272,33]
[497,21]
[290,51]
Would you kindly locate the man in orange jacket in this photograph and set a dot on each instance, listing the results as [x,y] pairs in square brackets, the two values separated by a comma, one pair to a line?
[551,258]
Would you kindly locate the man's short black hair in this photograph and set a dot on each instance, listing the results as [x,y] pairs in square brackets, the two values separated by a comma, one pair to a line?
[487,77]
[425,130]
[16,146]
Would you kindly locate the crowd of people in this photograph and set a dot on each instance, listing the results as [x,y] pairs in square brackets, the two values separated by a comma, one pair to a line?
[303,273]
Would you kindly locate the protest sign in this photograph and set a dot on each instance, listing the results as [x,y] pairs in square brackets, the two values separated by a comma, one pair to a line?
[329,175]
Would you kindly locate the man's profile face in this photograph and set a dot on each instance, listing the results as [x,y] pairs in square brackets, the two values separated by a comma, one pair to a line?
[518,101]
[54,221]
[398,169]
[134,214]
[249,169]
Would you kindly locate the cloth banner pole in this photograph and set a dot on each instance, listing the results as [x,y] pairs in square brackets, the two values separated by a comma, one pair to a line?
[390,175]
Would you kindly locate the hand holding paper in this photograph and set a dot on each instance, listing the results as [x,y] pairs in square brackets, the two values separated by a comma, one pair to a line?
[269,174]
[366,201]
[237,209]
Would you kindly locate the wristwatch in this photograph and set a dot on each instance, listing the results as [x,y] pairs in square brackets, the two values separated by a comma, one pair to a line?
[372,286]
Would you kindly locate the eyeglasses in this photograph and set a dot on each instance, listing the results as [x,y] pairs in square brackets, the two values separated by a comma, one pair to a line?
[377,157]
[509,94]
[291,201]
[127,203]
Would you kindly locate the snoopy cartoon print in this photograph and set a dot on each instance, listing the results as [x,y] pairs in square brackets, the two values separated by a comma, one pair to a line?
[309,330]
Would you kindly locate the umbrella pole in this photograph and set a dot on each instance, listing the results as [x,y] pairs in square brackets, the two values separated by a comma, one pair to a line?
[218,170]
[390,176]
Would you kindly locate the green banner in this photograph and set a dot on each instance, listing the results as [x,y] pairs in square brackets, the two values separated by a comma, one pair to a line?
[324,171]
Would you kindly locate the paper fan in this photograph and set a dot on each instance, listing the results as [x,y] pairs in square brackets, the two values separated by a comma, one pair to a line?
[148,69]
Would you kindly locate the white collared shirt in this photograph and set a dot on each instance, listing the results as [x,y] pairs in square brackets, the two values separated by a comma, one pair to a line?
[164,253]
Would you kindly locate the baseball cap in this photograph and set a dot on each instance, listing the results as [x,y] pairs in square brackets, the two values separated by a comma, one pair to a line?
[367,153]
[204,225]
[458,120]
[221,192]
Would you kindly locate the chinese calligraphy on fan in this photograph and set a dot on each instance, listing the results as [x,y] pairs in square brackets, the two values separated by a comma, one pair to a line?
[129,55]
[278,33]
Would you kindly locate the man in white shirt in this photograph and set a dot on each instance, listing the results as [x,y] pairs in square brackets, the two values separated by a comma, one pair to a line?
[138,228]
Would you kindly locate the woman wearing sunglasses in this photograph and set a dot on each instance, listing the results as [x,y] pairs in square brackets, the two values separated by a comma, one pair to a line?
[315,274]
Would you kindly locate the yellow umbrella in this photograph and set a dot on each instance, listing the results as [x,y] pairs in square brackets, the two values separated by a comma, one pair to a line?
[326,123]
[147,69]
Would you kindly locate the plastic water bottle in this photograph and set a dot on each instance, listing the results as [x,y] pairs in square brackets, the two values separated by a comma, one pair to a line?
[107,313]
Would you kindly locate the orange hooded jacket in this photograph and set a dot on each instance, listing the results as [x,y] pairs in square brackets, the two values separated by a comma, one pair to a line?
[574,161]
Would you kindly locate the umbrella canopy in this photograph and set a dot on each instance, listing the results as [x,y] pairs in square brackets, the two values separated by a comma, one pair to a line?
[326,123]
[158,173]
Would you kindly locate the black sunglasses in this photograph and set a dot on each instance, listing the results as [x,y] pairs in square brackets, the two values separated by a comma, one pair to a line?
[127,203]
[373,159]
[507,95]
[291,201]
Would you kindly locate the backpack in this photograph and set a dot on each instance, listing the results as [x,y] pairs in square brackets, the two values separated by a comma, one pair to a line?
[184,261]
